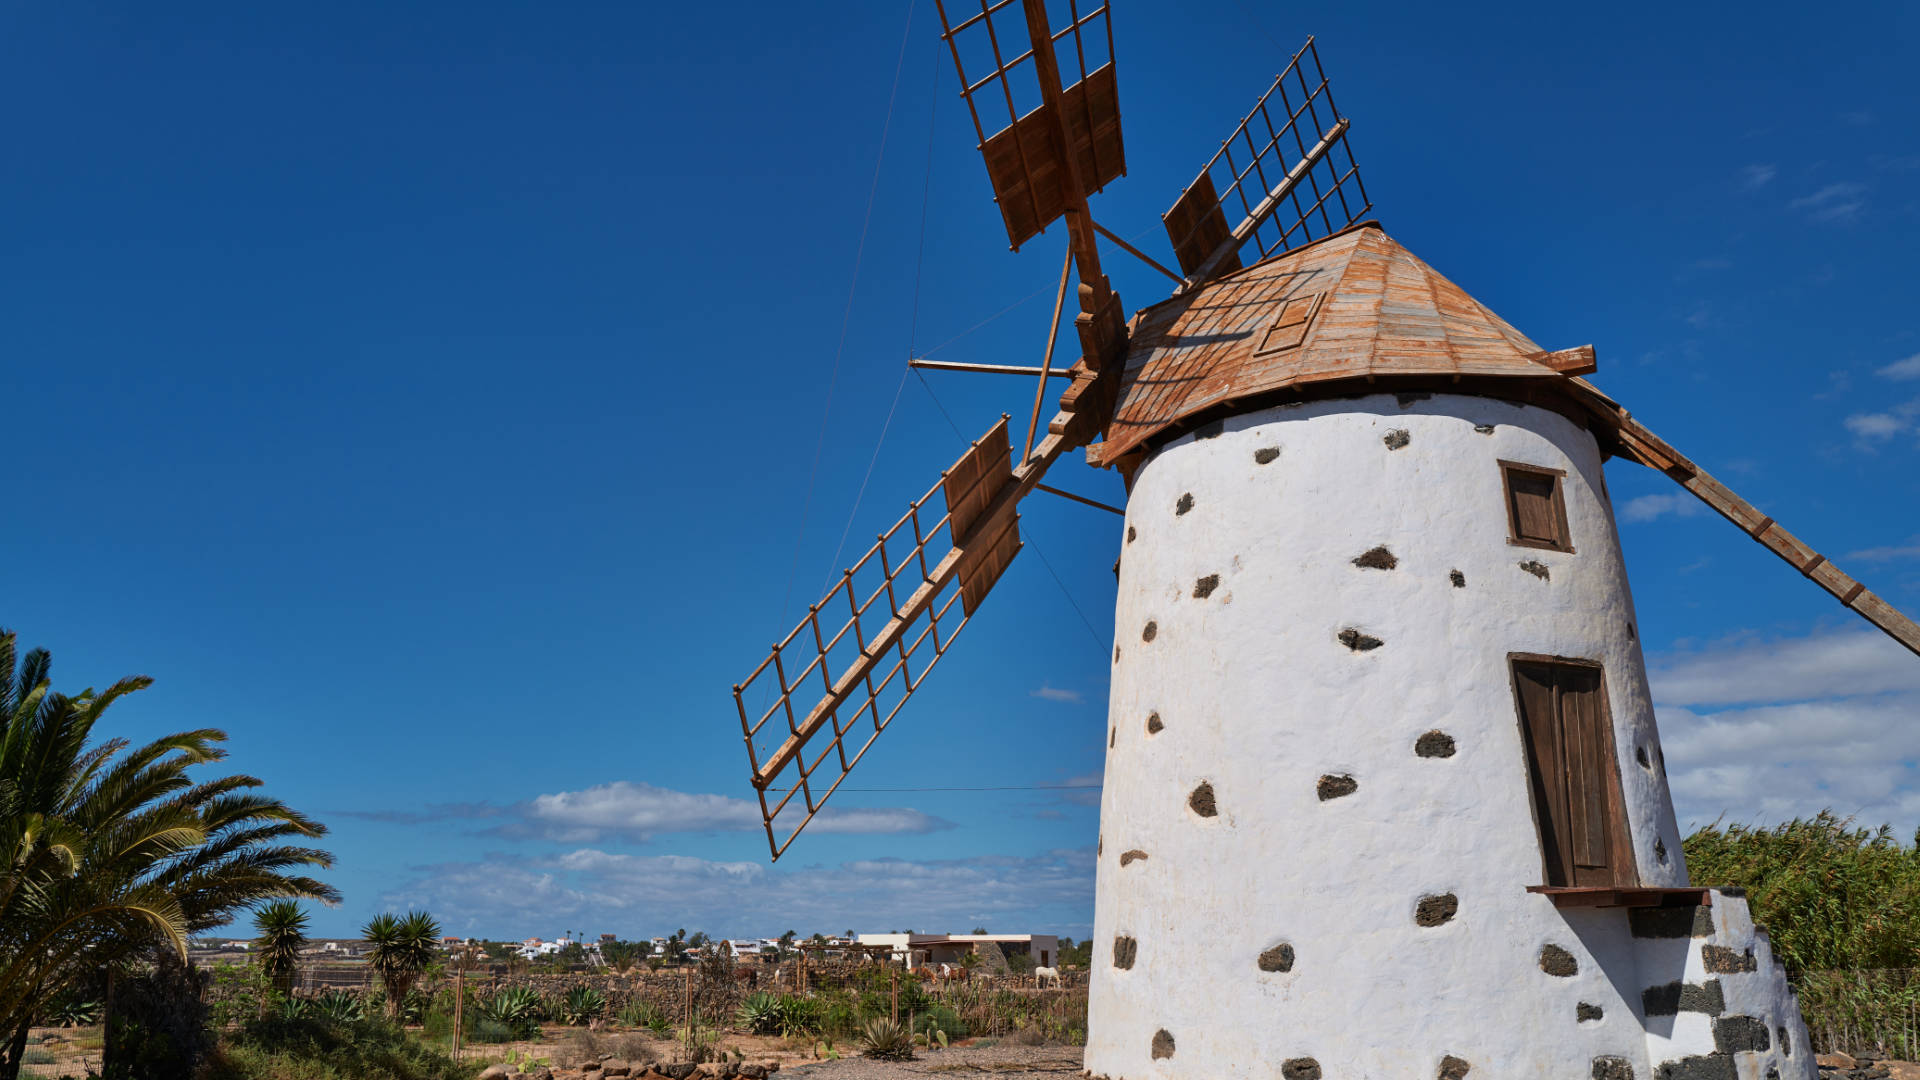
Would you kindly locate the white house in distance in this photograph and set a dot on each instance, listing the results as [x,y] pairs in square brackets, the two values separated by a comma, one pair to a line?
[917,950]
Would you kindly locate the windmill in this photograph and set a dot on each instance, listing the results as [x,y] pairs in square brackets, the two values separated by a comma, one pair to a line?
[1383,780]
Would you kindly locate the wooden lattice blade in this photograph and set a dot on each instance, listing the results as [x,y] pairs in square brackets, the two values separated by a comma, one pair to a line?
[1651,450]
[838,680]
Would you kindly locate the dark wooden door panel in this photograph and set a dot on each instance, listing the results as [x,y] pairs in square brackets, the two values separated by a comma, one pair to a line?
[1575,783]
[1533,686]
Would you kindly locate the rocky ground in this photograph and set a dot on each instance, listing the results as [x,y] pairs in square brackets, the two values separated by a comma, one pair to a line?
[1865,1067]
[1005,1062]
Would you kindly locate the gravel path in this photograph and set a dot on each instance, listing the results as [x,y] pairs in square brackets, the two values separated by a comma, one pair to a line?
[1000,1062]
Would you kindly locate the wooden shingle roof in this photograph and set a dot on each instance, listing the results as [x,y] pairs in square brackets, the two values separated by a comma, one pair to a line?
[1356,305]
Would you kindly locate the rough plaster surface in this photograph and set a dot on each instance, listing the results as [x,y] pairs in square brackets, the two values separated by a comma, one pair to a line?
[1260,699]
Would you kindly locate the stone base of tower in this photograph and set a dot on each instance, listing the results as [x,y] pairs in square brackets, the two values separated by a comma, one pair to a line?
[1670,993]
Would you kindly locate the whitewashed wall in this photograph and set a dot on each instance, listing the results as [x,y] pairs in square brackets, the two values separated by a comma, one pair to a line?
[1257,697]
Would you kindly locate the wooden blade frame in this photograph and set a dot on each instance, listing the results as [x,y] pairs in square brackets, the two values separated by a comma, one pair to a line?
[1263,167]
[1067,146]
[847,669]
[1648,449]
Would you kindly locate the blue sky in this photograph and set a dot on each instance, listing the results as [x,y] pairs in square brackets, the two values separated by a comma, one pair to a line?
[428,396]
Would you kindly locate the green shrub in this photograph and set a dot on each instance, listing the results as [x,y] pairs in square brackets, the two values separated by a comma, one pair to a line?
[581,1005]
[340,1007]
[279,1048]
[517,1008]
[884,1040]
[939,1018]
[798,1016]
[37,1057]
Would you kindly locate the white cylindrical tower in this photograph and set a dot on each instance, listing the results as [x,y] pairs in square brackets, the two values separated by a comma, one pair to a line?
[1377,674]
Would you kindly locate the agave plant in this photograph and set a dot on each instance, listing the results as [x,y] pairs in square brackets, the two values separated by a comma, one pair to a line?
[799,1016]
[884,1040]
[517,1008]
[293,1007]
[582,1005]
[340,1007]
[74,1012]
[759,1014]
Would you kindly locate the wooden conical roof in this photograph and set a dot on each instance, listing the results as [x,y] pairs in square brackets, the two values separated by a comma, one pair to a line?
[1355,306]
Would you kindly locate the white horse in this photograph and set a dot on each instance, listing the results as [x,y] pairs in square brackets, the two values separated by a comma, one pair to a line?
[1043,975]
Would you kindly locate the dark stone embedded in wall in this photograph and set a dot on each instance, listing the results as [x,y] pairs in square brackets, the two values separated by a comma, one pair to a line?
[1151,629]
[1671,922]
[1124,950]
[1677,997]
[1732,1034]
[1434,910]
[1185,504]
[1558,962]
[1154,725]
[1773,1072]
[1202,801]
[1484,429]
[1406,400]
[1266,454]
[1376,559]
[1131,534]
[1721,960]
[1537,569]
[1278,958]
[1162,1044]
[1660,849]
[1397,438]
[1612,1068]
[1204,587]
[1357,641]
[1132,856]
[1300,1069]
[1585,1011]
[1453,1068]
[1112,734]
[1786,1040]
[1336,786]
[1640,755]
[1100,846]
[1116,654]
[1703,1067]
[1434,744]
[1459,579]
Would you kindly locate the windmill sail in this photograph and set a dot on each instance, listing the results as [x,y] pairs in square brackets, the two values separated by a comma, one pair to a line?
[1286,182]
[1654,452]
[813,707]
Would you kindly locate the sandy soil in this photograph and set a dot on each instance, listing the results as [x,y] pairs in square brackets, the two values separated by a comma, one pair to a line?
[1001,1061]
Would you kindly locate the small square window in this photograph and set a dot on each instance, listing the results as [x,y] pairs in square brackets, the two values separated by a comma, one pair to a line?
[1536,509]
[1289,326]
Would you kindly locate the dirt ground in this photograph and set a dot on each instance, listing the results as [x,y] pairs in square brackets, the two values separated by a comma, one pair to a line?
[74,1051]
[1005,1062]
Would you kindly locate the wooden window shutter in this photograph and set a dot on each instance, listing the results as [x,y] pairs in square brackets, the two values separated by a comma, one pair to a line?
[1289,326]
[1536,506]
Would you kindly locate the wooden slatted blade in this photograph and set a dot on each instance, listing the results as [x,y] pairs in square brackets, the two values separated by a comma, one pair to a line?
[1649,449]
[1048,160]
[813,707]
[1286,175]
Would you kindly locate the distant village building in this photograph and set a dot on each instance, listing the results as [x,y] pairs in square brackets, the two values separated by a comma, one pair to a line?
[919,950]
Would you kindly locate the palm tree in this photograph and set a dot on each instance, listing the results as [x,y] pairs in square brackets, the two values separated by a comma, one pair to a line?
[283,933]
[109,850]
[403,947]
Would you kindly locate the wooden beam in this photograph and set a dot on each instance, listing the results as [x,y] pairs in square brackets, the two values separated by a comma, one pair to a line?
[1262,212]
[990,369]
[1046,359]
[1642,445]
[1137,253]
[1081,499]
[1579,360]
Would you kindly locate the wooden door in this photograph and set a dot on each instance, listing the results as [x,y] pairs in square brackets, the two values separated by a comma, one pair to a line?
[1574,775]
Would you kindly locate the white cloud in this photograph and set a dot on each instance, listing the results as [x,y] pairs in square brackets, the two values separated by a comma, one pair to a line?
[638,811]
[1752,671]
[636,895]
[1760,731]
[1651,507]
[1754,177]
[1054,693]
[1835,202]
[1902,369]
[1887,554]
[1868,428]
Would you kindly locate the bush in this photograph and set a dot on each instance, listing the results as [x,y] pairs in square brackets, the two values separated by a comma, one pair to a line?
[939,1018]
[279,1048]
[884,1040]
[759,1014]
[580,1006]
[518,1009]
[640,1014]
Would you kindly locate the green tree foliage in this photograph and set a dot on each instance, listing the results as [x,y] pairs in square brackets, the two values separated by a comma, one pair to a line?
[403,946]
[621,956]
[109,850]
[1832,896]
[283,933]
